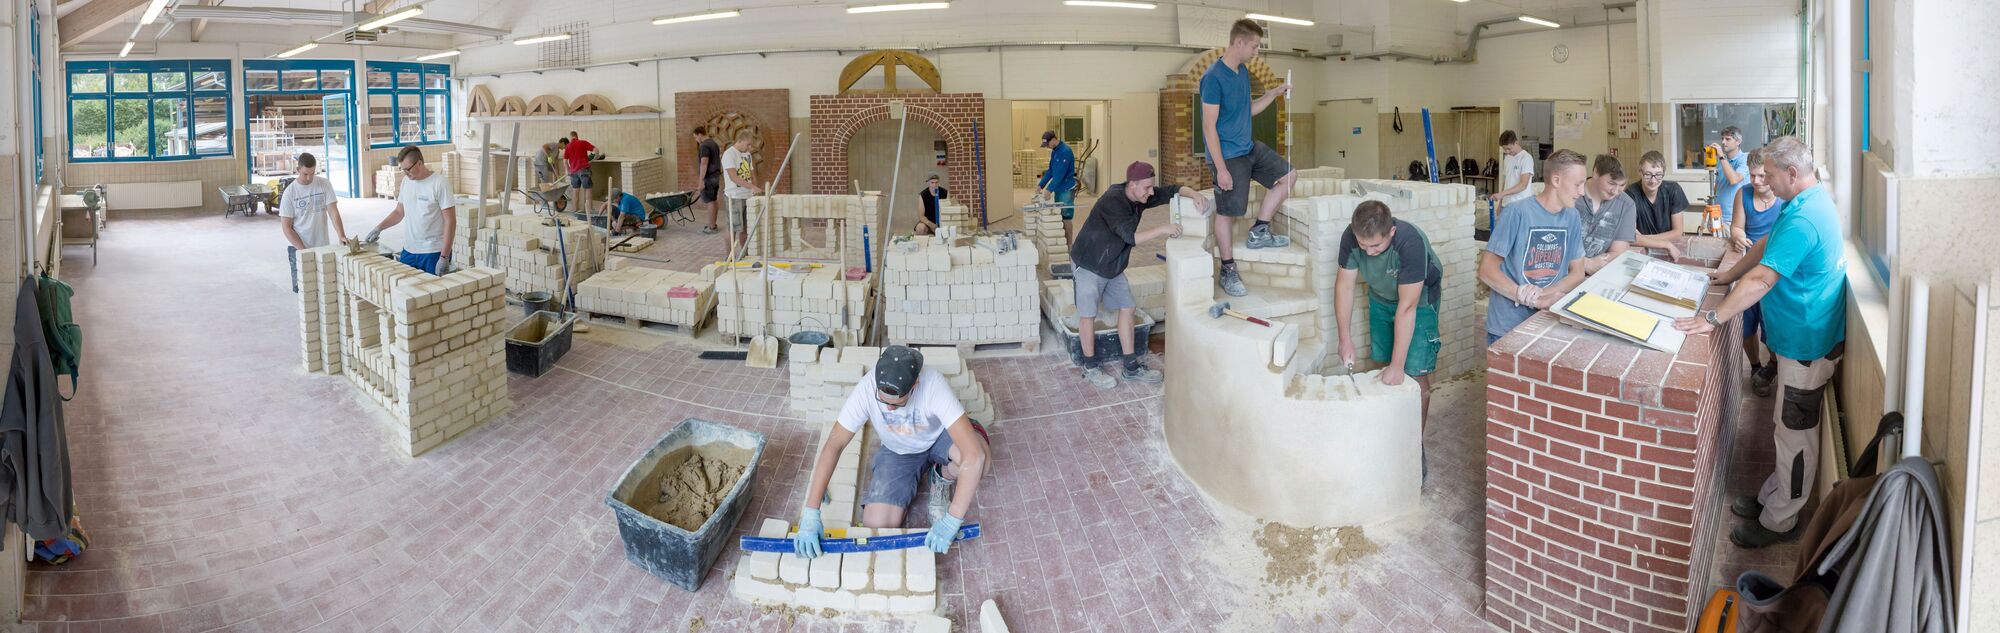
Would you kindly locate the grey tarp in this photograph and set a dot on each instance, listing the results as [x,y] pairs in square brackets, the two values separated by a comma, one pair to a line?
[1895,563]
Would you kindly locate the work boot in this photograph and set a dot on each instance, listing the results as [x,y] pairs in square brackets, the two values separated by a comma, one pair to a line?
[940,500]
[1261,237]
[1232,283]
[1747,506]
[1752,534]
[1762,378]
[1140,373]
[1097,378]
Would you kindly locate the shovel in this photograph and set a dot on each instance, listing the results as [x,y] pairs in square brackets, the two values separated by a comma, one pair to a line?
[764,348]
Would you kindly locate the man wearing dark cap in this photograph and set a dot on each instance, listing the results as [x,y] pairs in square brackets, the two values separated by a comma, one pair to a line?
[1101,252]
[1059,182]
[923,431]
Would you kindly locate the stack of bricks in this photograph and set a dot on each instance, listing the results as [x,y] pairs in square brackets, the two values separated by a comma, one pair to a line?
[954,214]
[648,294]
[822,378]
[963,293]
[899,581]
[1044,227]
[1149,290]
[526,250]
[1603,471]
[811,227]
[1028,167]
[807,297]
[429,349]
[319,307]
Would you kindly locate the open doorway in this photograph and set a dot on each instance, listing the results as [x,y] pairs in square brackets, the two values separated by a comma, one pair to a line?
[1084,125]
[872,160]
[300,106]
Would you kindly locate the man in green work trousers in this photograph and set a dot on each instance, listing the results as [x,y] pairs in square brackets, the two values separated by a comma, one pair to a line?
[1403,275]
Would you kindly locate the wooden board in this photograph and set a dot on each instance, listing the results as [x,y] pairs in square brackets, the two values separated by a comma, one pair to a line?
[589,104]
[482,102]
[547,105]
[638,109]
[513,106]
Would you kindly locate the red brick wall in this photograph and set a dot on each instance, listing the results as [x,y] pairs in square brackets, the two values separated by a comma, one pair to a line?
[1177,116]
[771,109]
[1602,474]
[835,119]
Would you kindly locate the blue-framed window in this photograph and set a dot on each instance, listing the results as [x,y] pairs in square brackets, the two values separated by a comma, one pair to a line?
[408,104]
[148,110]
[264,76]
[35,56]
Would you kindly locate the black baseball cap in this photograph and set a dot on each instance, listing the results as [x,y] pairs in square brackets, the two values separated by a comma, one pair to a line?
[1048,135]
[896,370]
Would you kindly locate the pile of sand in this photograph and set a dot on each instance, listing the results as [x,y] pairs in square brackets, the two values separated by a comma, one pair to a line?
[693,490]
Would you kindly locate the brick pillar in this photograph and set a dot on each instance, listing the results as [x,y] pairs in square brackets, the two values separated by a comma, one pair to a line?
[1602,472]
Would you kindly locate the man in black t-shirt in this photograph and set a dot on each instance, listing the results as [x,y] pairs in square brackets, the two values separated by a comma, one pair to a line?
[708,163]
[928,223]
[1101,252]
[1660,201]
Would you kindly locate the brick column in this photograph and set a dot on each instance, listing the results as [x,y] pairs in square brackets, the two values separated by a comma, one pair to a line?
[1602,476]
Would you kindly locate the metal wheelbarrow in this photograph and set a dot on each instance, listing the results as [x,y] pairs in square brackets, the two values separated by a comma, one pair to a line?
[678,205]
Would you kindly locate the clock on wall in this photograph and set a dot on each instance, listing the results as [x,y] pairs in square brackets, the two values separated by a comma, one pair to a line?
[1561,53]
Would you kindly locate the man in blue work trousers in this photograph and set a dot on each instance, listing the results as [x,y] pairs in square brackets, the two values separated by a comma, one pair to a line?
[1059,182]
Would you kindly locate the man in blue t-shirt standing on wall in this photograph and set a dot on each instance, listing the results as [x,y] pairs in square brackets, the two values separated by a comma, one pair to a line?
[1237,158]
[1059,182]
[1799,273]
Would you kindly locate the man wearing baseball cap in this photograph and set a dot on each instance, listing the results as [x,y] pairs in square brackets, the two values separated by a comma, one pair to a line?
[924,432]
[1102,250]
[1059,182]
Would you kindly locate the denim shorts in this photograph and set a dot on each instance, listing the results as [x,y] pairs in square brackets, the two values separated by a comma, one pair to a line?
[893,476]
[580,179]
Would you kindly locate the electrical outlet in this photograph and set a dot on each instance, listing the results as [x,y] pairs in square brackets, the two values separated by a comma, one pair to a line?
[1652,127]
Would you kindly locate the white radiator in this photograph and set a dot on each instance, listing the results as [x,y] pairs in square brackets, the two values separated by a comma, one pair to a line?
[154,195]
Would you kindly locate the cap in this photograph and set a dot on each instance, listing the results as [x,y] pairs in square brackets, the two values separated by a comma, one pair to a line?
[1138,170]
[896,370]
[1048,135]
[612,193]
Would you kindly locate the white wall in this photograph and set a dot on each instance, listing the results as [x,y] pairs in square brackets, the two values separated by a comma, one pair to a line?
[1758,62]
[1956,126]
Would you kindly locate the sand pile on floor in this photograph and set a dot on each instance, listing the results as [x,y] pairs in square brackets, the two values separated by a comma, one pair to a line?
[1279,575]
[693,490]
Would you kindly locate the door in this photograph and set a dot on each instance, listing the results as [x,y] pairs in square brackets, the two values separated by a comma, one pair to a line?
[1344,136]
[337,132]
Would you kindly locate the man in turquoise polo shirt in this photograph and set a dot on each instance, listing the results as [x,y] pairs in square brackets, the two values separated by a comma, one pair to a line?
[1800,275]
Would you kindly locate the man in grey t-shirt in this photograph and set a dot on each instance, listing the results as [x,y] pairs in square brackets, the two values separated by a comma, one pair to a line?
[1610,218]
[1535,255]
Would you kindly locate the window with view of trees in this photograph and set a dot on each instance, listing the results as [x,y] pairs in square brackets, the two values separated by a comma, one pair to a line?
[408,104]
[151,110]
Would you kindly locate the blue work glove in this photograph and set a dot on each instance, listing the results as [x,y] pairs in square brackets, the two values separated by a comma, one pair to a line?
[942,533]
[805,543]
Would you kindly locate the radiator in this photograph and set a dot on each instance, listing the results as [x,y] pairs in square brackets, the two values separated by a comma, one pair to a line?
[154,195]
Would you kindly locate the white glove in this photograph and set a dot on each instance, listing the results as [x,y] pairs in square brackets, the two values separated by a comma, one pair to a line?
[373,236]
[1527,294]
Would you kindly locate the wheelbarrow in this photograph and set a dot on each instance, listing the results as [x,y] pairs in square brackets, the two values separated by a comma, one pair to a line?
[678,206]
[551,198]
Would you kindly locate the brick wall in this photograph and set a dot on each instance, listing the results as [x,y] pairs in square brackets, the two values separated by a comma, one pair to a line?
[1602,472]
[1178,163]
[836,118]
[769,110]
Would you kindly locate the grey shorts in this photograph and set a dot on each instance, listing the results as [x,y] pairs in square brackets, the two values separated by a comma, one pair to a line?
[1261,165]
[737,207]
[893,476]
[1092,291]
[580,179]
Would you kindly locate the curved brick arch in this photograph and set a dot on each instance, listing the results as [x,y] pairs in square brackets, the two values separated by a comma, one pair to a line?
[837,118]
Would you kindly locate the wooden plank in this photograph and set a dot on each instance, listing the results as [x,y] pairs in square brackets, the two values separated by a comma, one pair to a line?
[94,18]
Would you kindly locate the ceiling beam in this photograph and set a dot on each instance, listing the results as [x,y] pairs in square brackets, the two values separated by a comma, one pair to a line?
[201,25]
[376,7]
[94,18]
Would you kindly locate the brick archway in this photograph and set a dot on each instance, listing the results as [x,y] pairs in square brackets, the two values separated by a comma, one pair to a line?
[768,111]
[1178,163]
[837,118]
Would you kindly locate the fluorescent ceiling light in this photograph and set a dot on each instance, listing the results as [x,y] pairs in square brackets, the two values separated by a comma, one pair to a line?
[153,10]
[696,17]
[127,50]
[541,39]
[1461,1]
[302,48]
[1279,19]
[1535,20]
[389,19]
[442,55]
[912,6]
[1109,4]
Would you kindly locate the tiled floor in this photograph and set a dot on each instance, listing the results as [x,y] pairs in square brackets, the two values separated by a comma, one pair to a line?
[225,488]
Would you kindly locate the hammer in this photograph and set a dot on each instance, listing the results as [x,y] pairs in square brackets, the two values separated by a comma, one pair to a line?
[1222,308]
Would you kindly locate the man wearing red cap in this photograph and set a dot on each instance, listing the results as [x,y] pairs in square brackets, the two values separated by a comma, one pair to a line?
[1100,253]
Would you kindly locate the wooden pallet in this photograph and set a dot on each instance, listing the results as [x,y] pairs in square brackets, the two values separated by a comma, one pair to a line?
[984,349]
[692,330]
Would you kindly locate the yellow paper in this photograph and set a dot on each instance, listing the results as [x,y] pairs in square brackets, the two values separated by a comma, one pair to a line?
[1622,318]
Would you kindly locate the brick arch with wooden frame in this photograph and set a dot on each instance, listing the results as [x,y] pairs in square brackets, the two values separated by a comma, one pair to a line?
[768,111]
[956,117]
[1178,115]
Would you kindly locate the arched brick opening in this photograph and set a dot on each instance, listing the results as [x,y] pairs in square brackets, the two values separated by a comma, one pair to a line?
[1178,162]
[766,111]
[837,118]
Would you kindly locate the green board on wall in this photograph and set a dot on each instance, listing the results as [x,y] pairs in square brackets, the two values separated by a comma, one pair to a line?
[1263,127]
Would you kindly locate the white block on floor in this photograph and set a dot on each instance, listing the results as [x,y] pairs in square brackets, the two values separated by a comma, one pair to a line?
[922,570]
[749,588]
[989,618]
[931,624]
[854,572]
[923,603]
[792,569]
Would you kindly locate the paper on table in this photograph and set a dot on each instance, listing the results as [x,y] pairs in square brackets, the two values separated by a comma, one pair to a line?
[1622,318]
[1671,283]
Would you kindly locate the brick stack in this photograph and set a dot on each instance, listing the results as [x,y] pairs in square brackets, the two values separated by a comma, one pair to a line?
[1603,476]
[429,349]
[812,298]
[961,294]
[956,117]
[638,175]
[1044,228]
[1028,167]
[319,307]
[648,294]
[527,251]
[822,378]
[954,214]
[812,227]
[1149,290]
[902,582]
